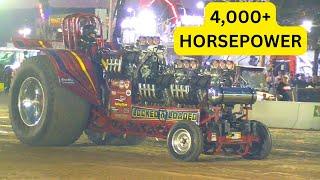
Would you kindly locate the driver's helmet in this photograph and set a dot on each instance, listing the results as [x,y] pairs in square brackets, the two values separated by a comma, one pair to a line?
[89,33]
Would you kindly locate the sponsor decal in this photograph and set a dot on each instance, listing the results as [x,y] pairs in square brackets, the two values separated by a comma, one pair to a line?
[127,84]
[67,81]
[121,84]
[121,104]
[165,114]
[114,109]
[115,83]
[316,112]
[121,99]
[128,92]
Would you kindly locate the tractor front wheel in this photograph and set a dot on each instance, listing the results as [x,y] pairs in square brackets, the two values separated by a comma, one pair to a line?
[185,141]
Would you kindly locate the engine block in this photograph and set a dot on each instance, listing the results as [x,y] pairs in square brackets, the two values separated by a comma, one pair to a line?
[186,82]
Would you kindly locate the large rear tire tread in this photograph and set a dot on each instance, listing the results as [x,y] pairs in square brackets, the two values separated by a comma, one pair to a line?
[65,114]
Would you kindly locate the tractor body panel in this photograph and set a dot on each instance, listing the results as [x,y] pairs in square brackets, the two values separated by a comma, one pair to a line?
[74,69]
[75,72]
[23,43]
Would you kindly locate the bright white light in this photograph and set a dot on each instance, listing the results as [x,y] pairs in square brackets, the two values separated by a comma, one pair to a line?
[129,10]
[191,20]
[146,13]
[146,23]
[129,23]
[200,5]
[307,24]
[59,30]
[125,23]
[25,32]
[128,26]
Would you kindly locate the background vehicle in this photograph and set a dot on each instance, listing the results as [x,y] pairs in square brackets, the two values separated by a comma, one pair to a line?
[121,97]
[256,78]
[10,60]
[6,58]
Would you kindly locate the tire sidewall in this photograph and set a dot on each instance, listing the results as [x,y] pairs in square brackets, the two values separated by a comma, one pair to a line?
[266,145]
[196,141]
[29,134]
[262,150]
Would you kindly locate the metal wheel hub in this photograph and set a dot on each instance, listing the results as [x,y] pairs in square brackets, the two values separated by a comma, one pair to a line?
[181,141]
[31,101]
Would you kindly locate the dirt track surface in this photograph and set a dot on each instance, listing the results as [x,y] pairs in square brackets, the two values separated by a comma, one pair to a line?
[295,155]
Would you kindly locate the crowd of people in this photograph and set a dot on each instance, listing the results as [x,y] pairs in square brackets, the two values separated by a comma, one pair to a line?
[284,85]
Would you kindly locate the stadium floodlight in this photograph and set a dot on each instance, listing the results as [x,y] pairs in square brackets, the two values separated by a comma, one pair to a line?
[307,24]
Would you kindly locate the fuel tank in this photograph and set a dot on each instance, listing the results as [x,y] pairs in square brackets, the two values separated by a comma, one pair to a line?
[231,95]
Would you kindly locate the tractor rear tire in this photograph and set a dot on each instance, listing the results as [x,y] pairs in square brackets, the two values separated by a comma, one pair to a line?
[185,141]
[42,112]
[260,150]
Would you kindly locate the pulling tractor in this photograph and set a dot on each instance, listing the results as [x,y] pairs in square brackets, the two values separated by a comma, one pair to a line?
[124,96]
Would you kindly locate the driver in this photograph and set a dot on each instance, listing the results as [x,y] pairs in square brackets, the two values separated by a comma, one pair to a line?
[88,44]
[88,37]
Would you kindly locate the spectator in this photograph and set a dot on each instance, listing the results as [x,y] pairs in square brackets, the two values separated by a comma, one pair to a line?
[301,82]
[315,82]
[283,89]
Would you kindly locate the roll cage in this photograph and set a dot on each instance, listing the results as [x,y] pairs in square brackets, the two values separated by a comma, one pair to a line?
[72,29]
